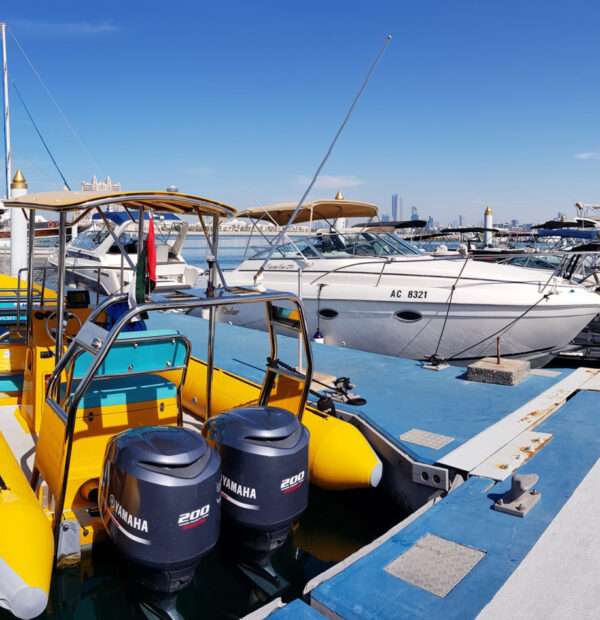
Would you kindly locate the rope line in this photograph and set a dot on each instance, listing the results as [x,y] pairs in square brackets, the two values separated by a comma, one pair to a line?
[41,137]
[434,357]
[55,103]
[327,154]
[502,329]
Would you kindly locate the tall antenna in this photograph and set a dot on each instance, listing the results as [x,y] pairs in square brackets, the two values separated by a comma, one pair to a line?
[7,146]
[343,124]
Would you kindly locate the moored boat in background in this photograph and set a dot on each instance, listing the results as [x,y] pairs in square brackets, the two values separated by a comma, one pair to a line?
[375,292]
[95,258]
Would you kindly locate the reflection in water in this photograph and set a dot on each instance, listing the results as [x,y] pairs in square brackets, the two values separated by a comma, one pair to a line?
[335,525]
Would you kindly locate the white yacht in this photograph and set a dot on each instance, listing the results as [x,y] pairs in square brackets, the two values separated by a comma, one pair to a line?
[376,292]
[94,259]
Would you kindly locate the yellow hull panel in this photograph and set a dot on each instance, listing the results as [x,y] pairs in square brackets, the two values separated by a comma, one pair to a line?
[9,285]
[26,543]
[339,455]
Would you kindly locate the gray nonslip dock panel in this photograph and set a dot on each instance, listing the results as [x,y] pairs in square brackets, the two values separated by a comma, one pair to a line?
[365,590]
[435,564]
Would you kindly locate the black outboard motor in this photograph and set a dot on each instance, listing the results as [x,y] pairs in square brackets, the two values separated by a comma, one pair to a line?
[160,504]
[264,482]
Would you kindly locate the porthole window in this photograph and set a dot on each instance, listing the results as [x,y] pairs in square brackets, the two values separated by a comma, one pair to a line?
[328,313]
[408,316]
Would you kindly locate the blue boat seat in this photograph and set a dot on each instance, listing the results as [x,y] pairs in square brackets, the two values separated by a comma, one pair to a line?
[8,311]
[126,390]
[126,376]
[11,383]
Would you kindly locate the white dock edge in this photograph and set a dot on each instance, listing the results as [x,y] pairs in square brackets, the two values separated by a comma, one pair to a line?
[558,578]
[473,452]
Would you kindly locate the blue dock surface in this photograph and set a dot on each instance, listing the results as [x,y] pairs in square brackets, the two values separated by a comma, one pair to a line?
[481,548]
[366,590]
[400,394]
[296,610]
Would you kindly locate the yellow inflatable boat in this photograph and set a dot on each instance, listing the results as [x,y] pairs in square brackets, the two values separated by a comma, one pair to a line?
[70,402]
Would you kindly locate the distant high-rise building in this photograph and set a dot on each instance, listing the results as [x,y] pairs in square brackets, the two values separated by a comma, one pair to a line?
[108,185]
[385,217]
[394,207]
[414,213]
[430,224]
[460,220]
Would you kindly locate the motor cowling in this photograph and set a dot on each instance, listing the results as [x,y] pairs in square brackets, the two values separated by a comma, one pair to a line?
[264,481]
[159,502]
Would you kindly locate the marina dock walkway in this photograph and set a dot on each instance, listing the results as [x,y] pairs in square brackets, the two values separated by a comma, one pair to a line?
[459,557]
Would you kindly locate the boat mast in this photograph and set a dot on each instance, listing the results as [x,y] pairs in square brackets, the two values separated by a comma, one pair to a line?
[18,222]
[7,146]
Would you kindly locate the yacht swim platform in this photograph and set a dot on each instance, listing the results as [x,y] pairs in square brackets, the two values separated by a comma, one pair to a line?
[455,556]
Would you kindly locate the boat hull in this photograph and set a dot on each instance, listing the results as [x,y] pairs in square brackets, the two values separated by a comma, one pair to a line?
[421,307]
[468,331]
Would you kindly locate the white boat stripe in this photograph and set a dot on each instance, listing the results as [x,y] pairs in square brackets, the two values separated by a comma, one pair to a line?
[114,519]
[238,503]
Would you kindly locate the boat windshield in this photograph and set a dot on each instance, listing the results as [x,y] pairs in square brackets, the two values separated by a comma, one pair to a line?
[96,235]
[343,245]
[90,239]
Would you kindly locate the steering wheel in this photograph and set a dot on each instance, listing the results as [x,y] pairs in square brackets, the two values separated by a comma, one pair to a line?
[51,331]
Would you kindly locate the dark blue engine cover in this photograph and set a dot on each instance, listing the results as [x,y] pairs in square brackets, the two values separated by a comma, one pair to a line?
[159,499]
[264,462]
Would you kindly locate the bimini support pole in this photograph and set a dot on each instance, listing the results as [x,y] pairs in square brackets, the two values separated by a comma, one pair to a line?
[140,243]
[210,291]
[30,242]
[212,252]
[140,250]
[60,310]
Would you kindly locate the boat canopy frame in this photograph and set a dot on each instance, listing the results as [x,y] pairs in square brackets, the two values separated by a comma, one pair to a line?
[65,202]
[98,341]
[286,213]
[281,213]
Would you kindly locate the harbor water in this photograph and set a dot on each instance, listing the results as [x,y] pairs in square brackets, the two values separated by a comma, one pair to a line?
[335,525]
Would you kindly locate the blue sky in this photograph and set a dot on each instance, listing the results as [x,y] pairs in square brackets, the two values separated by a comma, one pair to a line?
[475,103]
